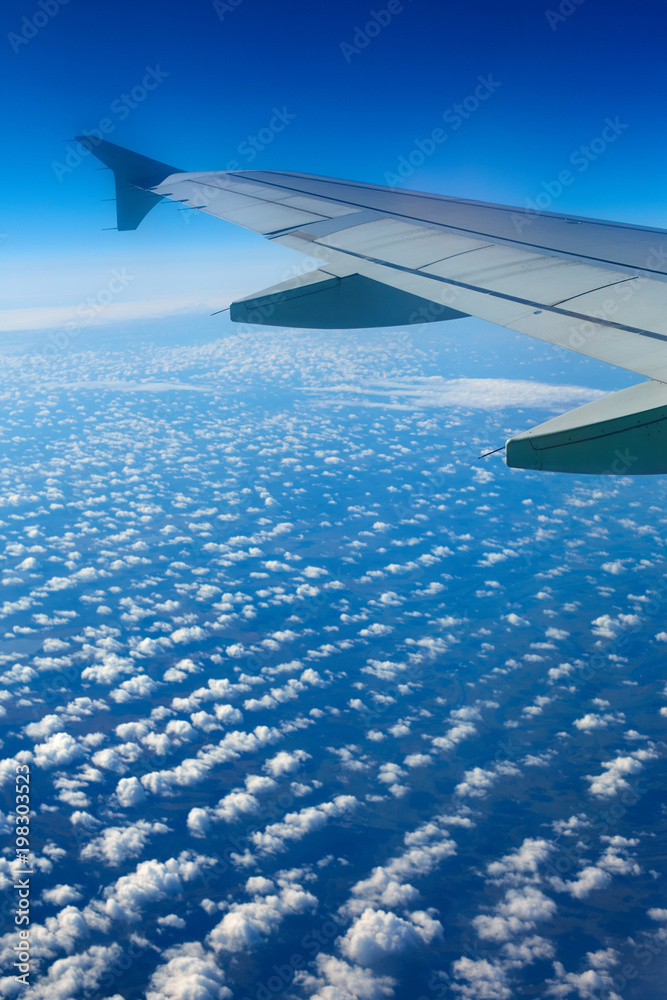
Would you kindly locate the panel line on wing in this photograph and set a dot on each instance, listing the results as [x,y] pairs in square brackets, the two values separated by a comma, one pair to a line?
[425,195]
[221,191]
[538,306]
[621,281]
[499,240]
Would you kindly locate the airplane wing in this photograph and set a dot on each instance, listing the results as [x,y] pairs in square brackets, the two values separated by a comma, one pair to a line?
[394,257]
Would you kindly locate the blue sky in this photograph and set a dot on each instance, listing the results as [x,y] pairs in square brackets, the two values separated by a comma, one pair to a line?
[362,88]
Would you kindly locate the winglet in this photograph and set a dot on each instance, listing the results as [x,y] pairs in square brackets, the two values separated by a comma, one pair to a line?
[134,175]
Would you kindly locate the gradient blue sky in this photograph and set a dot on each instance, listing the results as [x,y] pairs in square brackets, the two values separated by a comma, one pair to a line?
[354,117]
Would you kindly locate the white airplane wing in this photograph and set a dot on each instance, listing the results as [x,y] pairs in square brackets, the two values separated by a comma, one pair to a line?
[393,257]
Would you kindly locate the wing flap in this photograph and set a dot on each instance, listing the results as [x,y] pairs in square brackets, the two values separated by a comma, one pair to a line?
[636,302]
[401,242]
[516,290]
[634,351]
[524,275]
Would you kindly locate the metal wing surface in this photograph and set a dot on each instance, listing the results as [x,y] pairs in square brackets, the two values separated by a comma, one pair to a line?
[391,257]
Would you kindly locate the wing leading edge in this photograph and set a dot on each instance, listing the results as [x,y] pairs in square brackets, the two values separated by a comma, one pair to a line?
[397,257]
